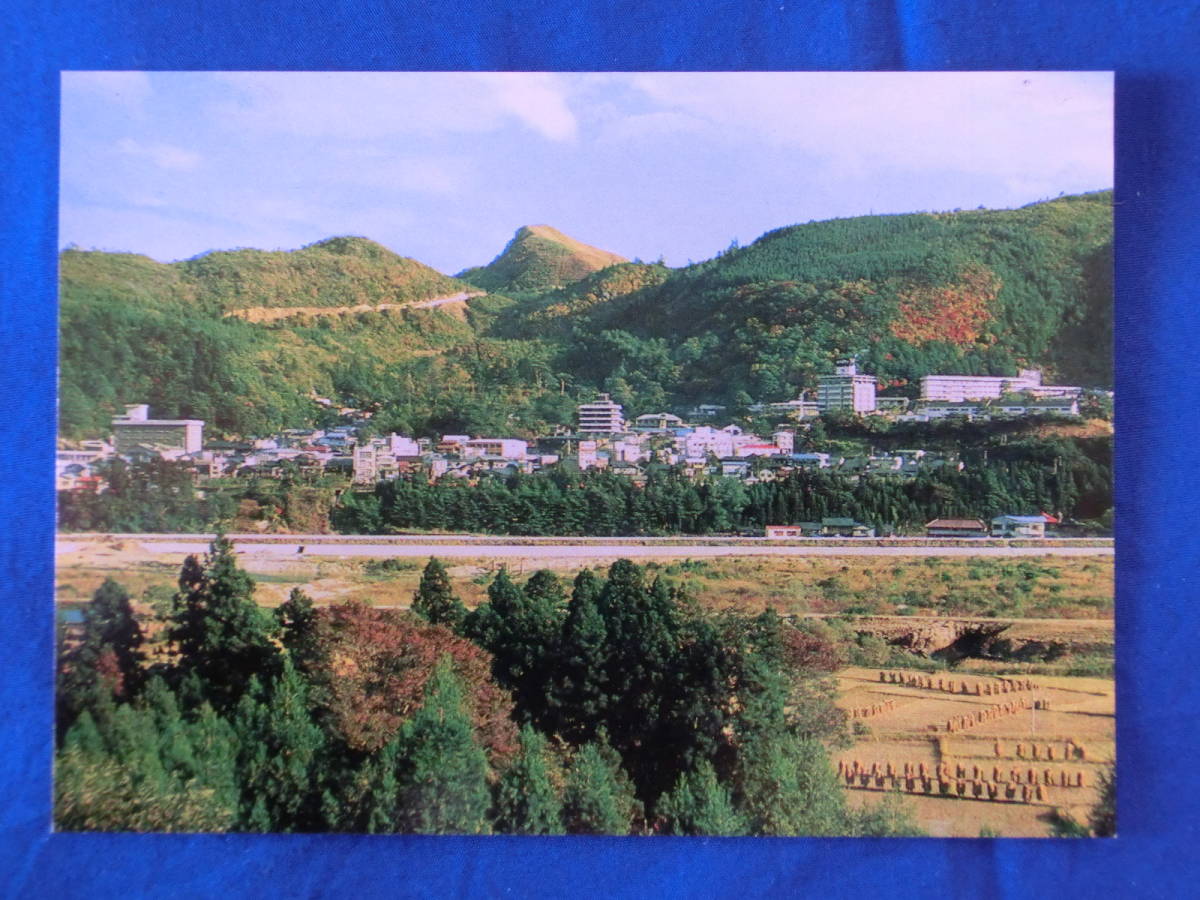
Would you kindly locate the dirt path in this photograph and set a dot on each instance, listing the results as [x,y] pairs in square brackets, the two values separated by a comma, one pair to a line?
[275,313]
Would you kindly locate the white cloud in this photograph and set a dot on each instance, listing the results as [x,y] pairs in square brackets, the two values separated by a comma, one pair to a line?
[162,155]
[539,100]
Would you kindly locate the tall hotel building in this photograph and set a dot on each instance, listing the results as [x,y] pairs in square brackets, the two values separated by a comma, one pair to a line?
[601,416]
[957,388]
[847,390]
[136,427]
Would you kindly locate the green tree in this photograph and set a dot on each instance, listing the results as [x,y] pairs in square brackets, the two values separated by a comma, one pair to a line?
[222,637]
[435,600]
[297,620]
[279,746]
[443,778]
[107,659]
[521,633]
[580,694]
[1103,819]
[598,796]
[789,788]
[700,804]
[99,794]
[145,767]
[890,817]
[527,801]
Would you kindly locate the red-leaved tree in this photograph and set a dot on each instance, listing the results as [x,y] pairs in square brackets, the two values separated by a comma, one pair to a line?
[371,673]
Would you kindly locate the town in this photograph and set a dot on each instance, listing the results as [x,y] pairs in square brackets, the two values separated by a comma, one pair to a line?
[603,439]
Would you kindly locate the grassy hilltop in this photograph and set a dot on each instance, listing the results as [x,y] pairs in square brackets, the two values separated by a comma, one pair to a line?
[981,291]
[539,258]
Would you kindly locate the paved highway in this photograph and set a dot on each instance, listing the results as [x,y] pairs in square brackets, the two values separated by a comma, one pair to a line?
[278,546]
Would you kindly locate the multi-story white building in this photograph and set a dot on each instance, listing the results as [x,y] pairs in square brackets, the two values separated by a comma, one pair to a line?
[505,448]
[846,390]
[601,416]
[979,387]
[657,422]
[705,440]
[378,458]
[403,446]
[136,427]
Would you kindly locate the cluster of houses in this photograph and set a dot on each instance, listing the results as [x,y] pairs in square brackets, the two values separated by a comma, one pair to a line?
[1001,527]
[602,438]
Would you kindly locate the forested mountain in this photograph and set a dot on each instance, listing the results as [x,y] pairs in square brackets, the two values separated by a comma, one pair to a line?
[539,258]
[982,291]
[135,330]
[979,292]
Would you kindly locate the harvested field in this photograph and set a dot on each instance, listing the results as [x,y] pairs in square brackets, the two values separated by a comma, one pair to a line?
[964,770]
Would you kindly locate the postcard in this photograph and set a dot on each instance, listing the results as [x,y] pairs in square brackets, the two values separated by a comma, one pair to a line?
[592,453]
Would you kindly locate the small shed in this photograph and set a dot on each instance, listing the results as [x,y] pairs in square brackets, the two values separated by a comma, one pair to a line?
[956,528]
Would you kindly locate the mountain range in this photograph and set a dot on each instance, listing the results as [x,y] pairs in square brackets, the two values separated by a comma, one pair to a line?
[246,338]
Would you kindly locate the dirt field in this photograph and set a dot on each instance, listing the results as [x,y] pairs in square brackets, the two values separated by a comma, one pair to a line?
[1071,739]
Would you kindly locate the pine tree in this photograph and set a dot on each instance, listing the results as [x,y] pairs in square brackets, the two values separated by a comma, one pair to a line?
[544,590]
[443,778]
[222,637]
[522,636]
[598,796]
[527,800]
[435,599]
[580,692]
[642,633]
[297,619]
[147,768]
[107,660]
[790,789]
[1103,817]
[279,744]
[700,804]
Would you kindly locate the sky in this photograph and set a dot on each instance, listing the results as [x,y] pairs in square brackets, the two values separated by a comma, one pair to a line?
[444,167]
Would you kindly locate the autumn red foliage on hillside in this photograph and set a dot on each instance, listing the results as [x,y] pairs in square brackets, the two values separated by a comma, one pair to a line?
[954,313]
[374,665]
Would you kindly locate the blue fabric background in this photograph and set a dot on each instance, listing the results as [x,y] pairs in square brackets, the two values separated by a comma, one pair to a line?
[1153,46]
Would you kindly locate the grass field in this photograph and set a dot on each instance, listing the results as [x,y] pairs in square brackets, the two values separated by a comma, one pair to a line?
[1035,587]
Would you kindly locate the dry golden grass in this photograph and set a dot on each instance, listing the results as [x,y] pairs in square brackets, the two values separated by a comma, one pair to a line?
[1049,587]
[1081,711]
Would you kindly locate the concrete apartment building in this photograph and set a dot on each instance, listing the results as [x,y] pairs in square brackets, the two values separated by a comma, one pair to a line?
[601,416]
[136,427]
[957,388]
[847,390]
